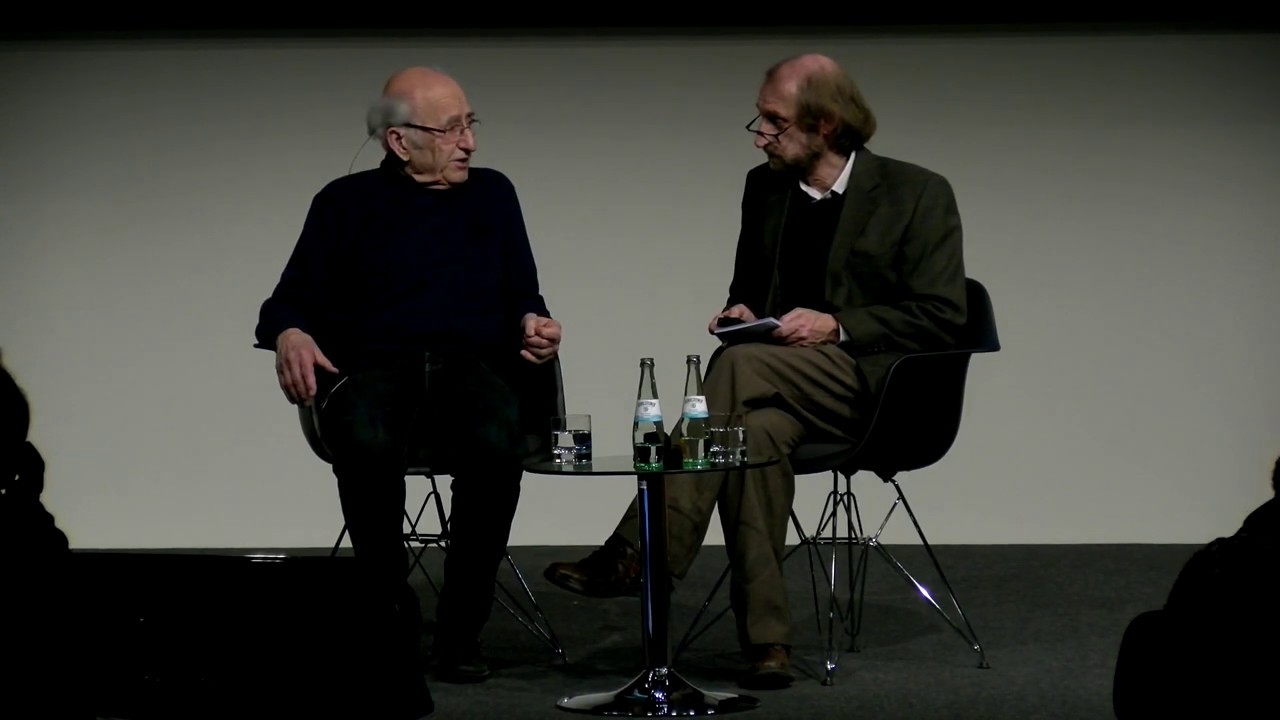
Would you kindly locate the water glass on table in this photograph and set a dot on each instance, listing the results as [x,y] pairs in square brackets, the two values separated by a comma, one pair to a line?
[727,439]
[571,439]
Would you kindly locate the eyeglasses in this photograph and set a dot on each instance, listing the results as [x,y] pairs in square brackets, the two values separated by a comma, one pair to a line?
[453,132]
[757,122]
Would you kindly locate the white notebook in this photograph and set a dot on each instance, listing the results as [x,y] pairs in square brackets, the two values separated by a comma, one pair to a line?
[755,331]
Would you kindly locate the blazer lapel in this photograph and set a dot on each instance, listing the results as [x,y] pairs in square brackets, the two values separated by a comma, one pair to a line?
[861,200]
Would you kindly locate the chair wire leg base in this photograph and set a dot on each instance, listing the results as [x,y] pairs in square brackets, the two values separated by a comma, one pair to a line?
[531,617]
[848,611]
[693,632]
[966,633]
[839,613]
[417,541]
[528,613]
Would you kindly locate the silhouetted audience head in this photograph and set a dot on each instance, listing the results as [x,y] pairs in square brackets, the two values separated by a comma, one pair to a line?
[15,423]
[21,466]
[1275,478]
[40,607]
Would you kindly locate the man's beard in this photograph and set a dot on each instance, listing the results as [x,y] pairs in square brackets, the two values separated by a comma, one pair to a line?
[799,167]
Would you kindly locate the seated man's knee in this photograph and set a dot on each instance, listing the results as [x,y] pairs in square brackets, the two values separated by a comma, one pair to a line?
[772,428]
[733,356]
[500,438]
[353,444]
[480,420]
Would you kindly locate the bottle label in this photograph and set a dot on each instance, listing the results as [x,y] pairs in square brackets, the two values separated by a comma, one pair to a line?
[648,411]
[695,407]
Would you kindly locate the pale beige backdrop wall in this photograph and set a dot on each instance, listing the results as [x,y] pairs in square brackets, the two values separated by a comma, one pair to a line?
[1118,193]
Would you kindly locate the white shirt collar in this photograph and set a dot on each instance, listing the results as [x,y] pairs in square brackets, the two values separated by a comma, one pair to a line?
[838,187]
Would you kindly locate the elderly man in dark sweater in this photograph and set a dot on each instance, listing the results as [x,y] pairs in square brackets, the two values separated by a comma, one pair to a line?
[410,313]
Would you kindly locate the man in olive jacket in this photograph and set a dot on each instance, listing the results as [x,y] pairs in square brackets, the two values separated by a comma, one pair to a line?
[860,258]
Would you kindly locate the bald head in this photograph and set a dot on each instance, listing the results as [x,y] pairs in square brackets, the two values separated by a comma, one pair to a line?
[419,85]
[795,70]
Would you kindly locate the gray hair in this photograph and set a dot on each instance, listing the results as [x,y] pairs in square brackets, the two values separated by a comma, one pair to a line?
[384,113]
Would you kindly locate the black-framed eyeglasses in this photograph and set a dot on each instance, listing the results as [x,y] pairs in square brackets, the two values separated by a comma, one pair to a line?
[453,132]
[755,125]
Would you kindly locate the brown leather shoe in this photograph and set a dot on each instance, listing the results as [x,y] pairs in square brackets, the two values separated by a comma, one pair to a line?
[768,667]
[612,570]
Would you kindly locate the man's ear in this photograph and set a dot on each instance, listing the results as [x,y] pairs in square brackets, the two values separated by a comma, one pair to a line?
[398,143]
[826,127]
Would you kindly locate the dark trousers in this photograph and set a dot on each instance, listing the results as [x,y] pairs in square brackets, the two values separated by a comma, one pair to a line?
[459,416]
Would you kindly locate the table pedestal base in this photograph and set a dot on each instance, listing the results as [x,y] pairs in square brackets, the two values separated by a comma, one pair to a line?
[659,692]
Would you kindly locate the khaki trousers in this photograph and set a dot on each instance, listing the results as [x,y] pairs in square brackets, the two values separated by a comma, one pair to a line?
[788,395]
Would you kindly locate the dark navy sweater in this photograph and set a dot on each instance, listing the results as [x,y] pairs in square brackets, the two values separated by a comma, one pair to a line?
[385,265]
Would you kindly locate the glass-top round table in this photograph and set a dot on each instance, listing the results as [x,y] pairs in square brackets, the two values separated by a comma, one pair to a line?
[658,691]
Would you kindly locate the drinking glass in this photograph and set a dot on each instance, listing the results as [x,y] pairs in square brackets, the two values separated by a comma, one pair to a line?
[571,439]
[727,438]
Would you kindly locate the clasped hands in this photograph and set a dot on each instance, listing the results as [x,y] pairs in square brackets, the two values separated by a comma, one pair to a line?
[801,327]
[541,338]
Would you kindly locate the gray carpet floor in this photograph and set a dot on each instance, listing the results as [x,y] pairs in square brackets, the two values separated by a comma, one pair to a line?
[1049,618]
